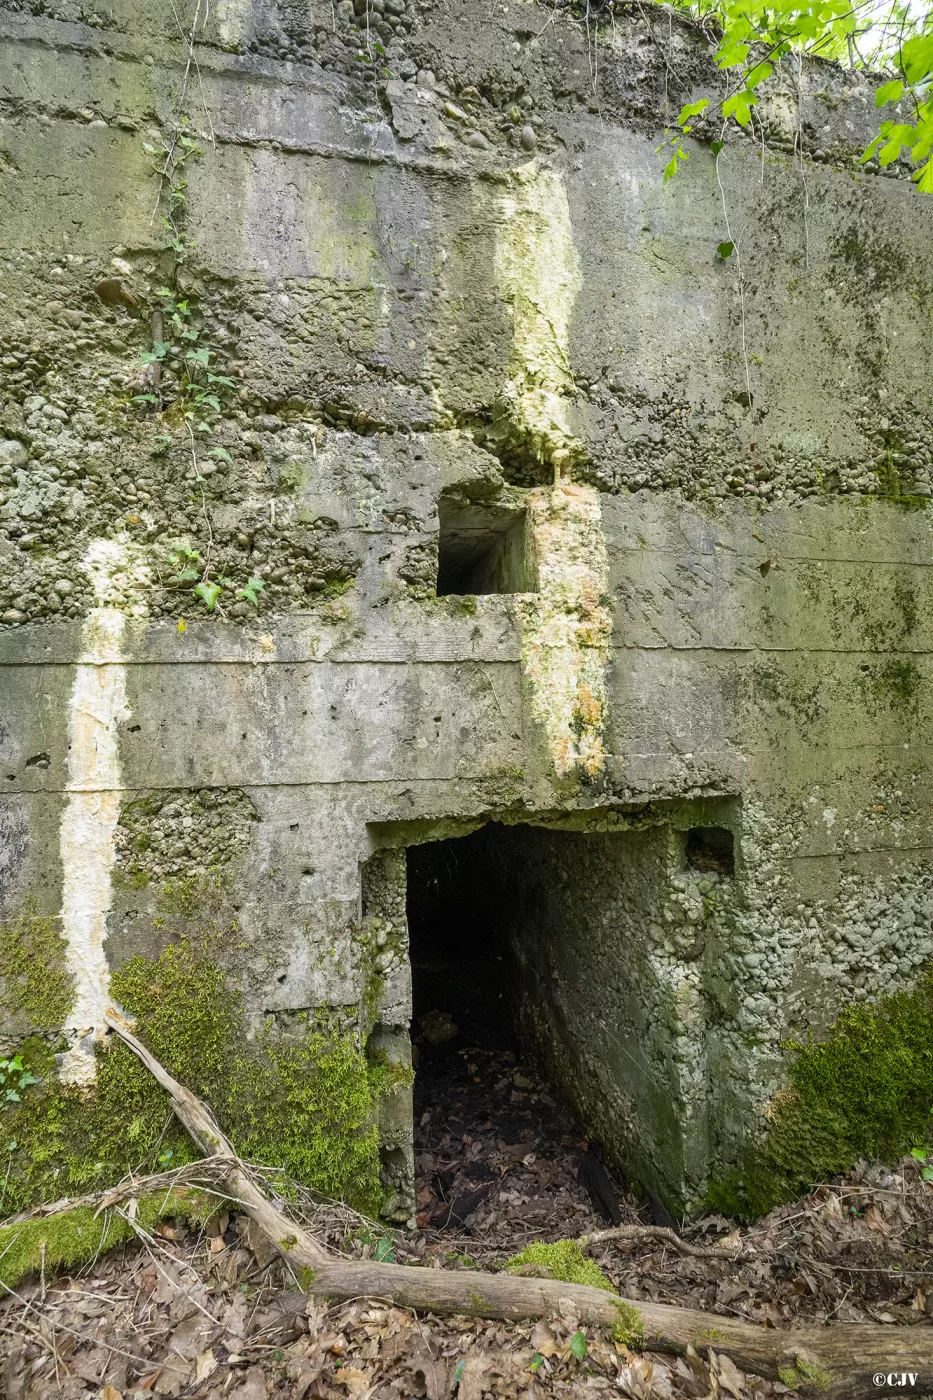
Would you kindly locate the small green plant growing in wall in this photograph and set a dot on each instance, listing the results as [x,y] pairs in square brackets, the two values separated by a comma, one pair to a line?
[180,369]
[199,391]
[14,1078]
[193,571]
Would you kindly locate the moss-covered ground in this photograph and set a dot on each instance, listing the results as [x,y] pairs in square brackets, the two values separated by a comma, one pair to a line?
[564,1260]
[72,1237]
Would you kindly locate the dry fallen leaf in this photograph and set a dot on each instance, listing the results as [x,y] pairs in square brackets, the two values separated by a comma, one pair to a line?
[205,1365]
[109,1392]
[543,1340]
[876,1221]
[471,1382]
[730,1377]
[354,1380]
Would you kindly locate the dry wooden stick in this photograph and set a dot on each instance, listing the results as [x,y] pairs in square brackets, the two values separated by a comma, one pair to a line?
[208,1175]
[634,1234]
[842,1362]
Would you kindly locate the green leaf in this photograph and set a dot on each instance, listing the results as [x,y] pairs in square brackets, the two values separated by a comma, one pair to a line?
[578,1345]
[731,55]
[12,1096]
[160,349]
[692,109]
[725,250]
[923,178]
[384,1253]
[927,1173]
[717,146]
[188,575]
[678,155]
[458,1373]
[251,590]
[920,1153]
[916,59]
[536,1361]
[208,593]
[202,356]
[739,106]
[889,92]
[220,453]
[758,74]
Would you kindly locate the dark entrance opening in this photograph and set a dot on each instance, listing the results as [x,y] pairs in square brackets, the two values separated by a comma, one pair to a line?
[711,848]
[462,962]
[495,1145]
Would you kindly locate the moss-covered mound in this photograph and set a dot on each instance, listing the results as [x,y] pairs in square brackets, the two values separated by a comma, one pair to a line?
[563,1260]
[866,1090]
[72,1237]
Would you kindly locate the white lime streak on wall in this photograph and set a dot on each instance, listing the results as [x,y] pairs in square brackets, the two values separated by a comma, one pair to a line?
[538,275]
[566,626]
[97,707]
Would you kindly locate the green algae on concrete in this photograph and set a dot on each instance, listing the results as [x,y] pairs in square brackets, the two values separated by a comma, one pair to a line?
[866,1090]
[306,1101]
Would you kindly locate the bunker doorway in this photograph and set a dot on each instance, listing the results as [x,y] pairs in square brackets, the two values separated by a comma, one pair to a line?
[484,1113]
[541,1014]
[463,963]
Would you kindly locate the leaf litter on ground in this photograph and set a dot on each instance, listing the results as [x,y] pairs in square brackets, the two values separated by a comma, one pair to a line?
[214,1314]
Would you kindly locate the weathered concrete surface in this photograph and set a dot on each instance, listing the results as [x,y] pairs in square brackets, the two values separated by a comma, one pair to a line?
[453,269]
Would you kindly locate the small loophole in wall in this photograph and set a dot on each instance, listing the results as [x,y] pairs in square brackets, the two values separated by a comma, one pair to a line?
[711,848]
[483,549]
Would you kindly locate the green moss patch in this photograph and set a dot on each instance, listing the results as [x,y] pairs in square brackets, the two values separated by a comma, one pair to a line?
[864,1091]
[35,978]
[628,1329]
[564,1260]
[305,1101]
[805,1375]
[75,1236]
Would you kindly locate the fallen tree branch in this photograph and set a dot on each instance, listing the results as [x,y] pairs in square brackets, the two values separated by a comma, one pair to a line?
[635,1234]
[841,1361]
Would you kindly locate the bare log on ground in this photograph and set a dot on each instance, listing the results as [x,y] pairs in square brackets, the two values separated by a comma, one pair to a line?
[841,1361]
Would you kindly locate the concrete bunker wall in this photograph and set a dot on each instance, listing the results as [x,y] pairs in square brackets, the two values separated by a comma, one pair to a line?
[432,321]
